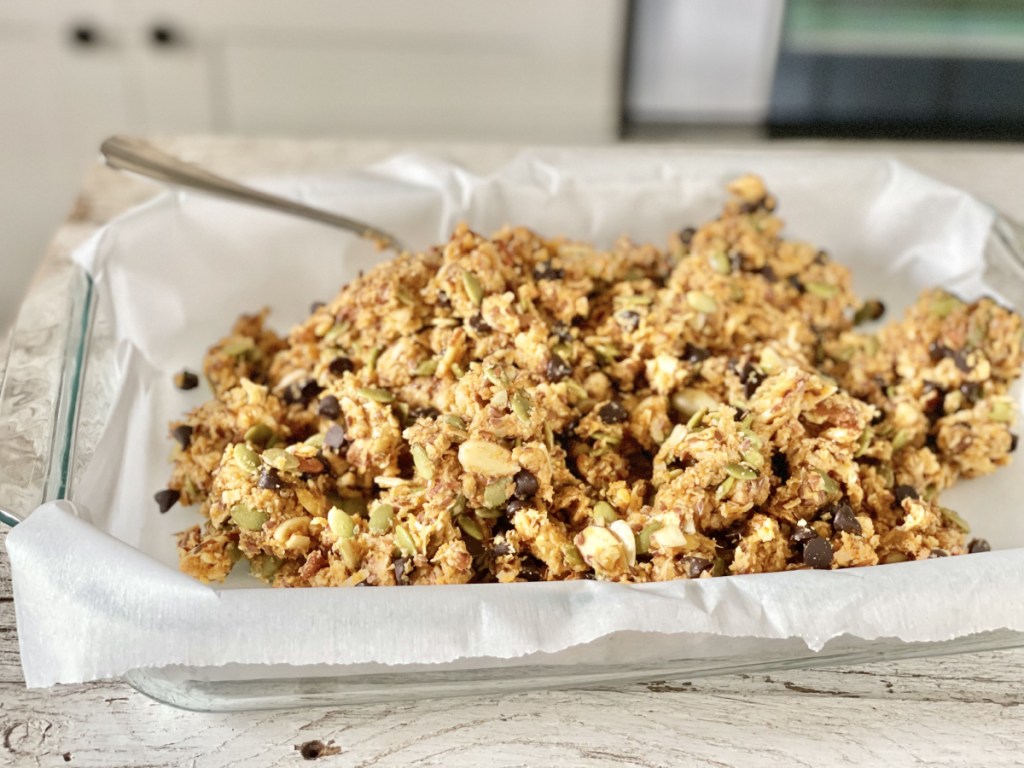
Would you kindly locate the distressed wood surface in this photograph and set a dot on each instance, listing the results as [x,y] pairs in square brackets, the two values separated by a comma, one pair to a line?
[951,711]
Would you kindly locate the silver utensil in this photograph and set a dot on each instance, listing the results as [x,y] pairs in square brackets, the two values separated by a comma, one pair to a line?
[127,153]
[9,518]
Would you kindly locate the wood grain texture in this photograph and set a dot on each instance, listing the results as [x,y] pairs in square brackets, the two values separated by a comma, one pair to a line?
[951,711]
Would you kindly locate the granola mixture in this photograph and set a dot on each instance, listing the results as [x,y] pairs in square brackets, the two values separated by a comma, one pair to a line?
[518,408]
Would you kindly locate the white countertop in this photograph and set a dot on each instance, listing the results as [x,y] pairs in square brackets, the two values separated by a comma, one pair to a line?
[964,710]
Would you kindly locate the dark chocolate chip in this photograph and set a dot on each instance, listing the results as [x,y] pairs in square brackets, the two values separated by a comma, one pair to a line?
[270,480]
[740,415]
[736,260]
[557,368]
[513,506]
[330,408]
[802,534]
[902,492]
[500,548]
[872,309]
[562,332]
[628,320]
[794,281]
[340,365]
[821,257]
[334,438]
[843,519]
[185,379]
[818,553]
[780,466]
[878,418]
[695,566]
[531,569]
[613,413]
[938,553]
[183,434]
[692,354]
[979,545]
[423,412]
[442,300]
[960,361]
[166,498]
[478,324]
[751,378]
[309,390]
[751,207]
[686,235]
[546,270]
[1013,442]
[937,351]
[401,566]
[315,306]
[768,274]
[971,390]
[525,484]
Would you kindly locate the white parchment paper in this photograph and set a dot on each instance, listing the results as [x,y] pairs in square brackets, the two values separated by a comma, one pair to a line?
[97,591]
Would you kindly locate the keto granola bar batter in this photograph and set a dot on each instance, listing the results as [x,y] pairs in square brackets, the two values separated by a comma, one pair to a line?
[521,408]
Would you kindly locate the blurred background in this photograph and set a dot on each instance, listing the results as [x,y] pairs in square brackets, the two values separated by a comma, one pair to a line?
[531,71]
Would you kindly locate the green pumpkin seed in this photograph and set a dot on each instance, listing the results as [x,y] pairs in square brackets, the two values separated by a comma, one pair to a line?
[376,394]
[822,290]
[496,493]
[454,421]
[238,346]
[886,473]
[720,262]
[725,488]
[457,370]
[474,290]
[829,485]
[374,357]
[572,556]
[701,302]
[604,512]
[348,552]
[335,331]
[341,523]
[643,539]
[490,514]
[955,519]
[564,351]
[496,376]
[265,566]
[741,471]
[864,441]
[424,466]
[901,439]
[471,527]
[944,305]
[234,553]
[405,296]
[381,517]
[404,541]
[426,368]
[258,434]
[521,406]
[281,460]
[720,567]
[633,301]
[458,506]
[246,517]
[315,441]
[549,437]
[696,420]
[1001,410]
[753,459]
[246,457]
[608,353]
[977,332]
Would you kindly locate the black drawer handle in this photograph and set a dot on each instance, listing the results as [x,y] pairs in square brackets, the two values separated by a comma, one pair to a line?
[84,35]
[164,36]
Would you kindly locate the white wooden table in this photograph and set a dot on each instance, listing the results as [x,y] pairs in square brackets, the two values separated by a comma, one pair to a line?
[952,711]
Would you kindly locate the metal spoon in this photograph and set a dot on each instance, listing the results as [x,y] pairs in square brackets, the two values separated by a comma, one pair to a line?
[126,153]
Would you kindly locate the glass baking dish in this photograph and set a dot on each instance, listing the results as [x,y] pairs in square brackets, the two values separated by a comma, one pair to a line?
[55,395]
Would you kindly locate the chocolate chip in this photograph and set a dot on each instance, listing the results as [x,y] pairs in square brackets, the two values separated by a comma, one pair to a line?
[513,506]
[821,257]
[794,281]
[401,566]
[938,553]
[525,484]
[500,548]
[692,354]
[878,418]
[751,379]
[768,274]
[612,413]
[971,390]
[818,553]
[442,300]
[686,235]
[695,566]
[1013,442]
[270,480]
[961,362]
[166,499]
[547,270]
[872,309]
[423,412]
[562,332]
[557,368]
[802,534]
[479,325]
[531,569]
[340,365]
[780,466]
[183,434]
[334,438]
[740,414]
[752,207]
[736,260]
[315,306]
[330,408]
[843,519]
[979,545]
[937,351]
[628,320]
[902,492]
[185,380]
[309,390]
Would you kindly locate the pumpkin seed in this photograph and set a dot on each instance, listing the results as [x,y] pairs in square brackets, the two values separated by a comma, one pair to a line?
[315,441]
[701,302]
[572,556]
[258,434]
[633,301]
[496,493]
[353,505]
[725,488]
[955,519]
[753,459]
[604,512]
[246,517]
[901,439]
[822,290]
[423,463]
[376,394]
[474,290]
[643,539]
[237,346]
[265,566]
[720,262]
[405,541]
[454,421]
[374,357]
[977,332]
[1002,410]
[829,485]
[458,506]
[426,368]
[719,568]
[886,473]
[457,370]
[741,471]
[335,331]
[944,304]
[470,527]
[489,514]
[381,517]
[549,437]
[608,353]
[496,376]
[281,460]
[341,523]
[696,420]
[521,406]
[405,296]
[348,552]
[864,441]
[564,351]
[246,457]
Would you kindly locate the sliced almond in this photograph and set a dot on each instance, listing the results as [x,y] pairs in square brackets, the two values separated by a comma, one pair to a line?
[486,458]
